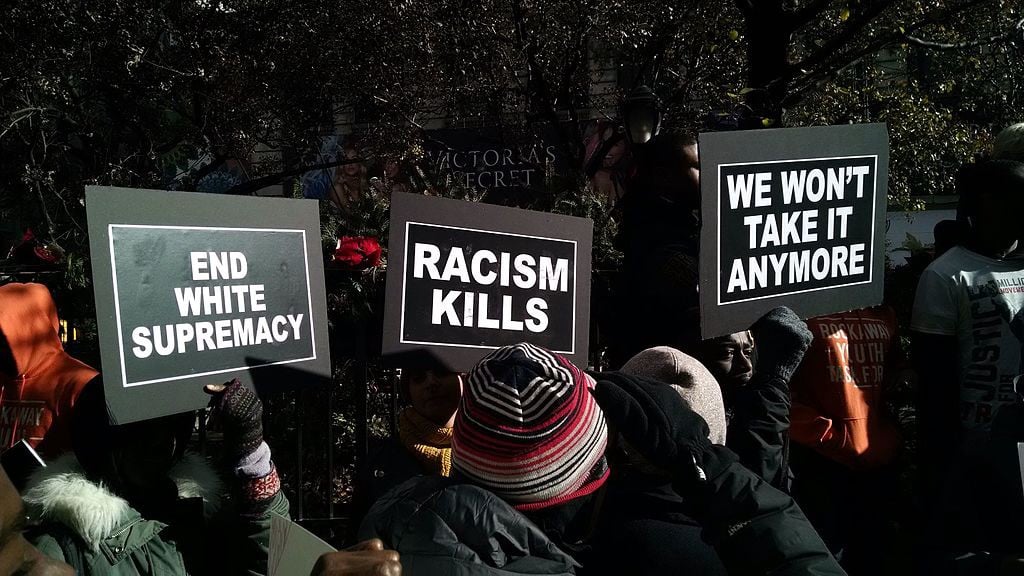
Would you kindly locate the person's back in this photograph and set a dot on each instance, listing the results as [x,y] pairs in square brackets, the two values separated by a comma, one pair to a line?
[641,511]
[440,526]
[39,382]
[838,391]
[844,441]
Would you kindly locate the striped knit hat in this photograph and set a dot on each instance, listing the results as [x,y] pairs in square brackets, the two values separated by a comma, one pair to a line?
[528,429]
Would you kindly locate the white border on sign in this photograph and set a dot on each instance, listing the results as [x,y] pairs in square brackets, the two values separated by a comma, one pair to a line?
[405,270]
[718,230]
[117,303]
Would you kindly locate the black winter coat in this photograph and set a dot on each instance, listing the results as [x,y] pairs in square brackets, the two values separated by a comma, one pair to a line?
[441,527]
[650,520]
[758,429]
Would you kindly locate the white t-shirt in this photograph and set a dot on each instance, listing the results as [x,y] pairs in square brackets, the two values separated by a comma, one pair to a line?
[977,299]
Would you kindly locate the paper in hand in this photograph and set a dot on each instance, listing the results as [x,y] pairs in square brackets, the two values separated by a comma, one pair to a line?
[293,549]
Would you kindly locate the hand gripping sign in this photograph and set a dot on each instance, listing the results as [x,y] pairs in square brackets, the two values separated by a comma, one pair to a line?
[791,217]
[465,278]
[193,289]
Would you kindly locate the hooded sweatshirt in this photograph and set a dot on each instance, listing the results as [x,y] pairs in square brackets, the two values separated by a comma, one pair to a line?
[838,407]
[38,391]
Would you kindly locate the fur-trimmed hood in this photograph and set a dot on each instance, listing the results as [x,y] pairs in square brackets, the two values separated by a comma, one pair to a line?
[61,493]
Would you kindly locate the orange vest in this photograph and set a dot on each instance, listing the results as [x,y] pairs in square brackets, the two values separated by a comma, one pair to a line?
[37,389]
[837,392]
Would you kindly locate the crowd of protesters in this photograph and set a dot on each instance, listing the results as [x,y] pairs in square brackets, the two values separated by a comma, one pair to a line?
[767,451]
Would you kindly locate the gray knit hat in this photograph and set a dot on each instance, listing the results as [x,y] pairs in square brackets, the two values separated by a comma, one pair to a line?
[1009,143]
[697,387]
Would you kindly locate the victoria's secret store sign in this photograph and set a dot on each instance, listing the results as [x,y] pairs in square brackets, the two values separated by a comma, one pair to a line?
[475,159]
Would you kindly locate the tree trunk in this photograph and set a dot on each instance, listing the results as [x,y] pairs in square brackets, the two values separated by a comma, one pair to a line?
[768,37]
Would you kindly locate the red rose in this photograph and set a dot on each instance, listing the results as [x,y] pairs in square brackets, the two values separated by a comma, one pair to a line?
[357,253]
[34,253]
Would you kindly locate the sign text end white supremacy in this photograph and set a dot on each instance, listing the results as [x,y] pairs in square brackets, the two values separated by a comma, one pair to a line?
[218,299]
[794,226]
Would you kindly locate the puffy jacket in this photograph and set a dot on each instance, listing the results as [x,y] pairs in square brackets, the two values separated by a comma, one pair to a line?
[36,399]
[757,529]
[648,518]
[82,523]
[441,527]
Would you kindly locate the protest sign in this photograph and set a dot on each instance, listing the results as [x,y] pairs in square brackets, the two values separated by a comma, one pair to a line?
[465,278]
[195,289]
[791,217]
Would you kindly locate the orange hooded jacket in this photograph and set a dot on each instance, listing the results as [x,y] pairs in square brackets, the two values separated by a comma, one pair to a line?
[837,392]
[39,382]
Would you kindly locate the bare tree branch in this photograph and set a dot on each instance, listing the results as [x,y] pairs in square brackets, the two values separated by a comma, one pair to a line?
[824,62]
[930,45]
[850,31]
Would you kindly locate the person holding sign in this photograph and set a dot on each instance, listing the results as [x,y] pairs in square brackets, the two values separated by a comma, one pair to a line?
[130,501]
[659,240]
[966,352]
[757,394]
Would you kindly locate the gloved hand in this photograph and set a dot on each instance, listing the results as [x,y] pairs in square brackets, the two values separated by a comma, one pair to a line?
[238,412]
[781,338]
[655,421]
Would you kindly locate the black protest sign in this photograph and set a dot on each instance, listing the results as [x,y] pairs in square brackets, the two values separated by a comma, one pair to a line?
[465,278]
[791,217]
[194,289]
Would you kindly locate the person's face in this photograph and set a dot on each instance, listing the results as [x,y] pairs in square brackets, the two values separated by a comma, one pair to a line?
[995,223]
[615,154]
[351,169]
[17,556]
[730,359]
[391,168]
[435,395]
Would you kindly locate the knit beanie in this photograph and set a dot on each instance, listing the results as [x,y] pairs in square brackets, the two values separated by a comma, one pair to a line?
[529,430]
[697,387]
[1009,143]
